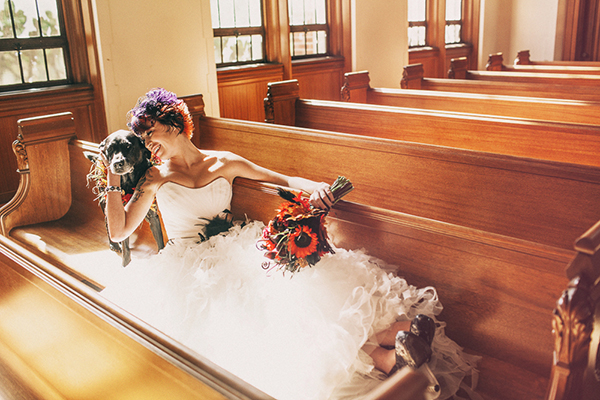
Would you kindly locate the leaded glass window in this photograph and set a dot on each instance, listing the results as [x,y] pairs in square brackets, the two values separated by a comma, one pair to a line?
[453,21]
[33,44]
[417,23]
[238,31]
[308,28]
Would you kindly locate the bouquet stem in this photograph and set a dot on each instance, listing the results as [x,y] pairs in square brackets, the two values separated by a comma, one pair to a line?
[341,187]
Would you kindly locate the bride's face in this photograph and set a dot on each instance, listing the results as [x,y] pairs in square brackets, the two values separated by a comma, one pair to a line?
[158,139]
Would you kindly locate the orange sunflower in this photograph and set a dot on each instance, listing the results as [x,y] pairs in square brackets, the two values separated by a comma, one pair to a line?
[302,242]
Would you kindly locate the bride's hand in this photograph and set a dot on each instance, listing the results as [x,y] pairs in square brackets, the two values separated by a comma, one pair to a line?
[322,197]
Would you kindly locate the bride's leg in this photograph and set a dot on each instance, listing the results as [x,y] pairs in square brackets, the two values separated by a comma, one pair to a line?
[388,337]
[385,359]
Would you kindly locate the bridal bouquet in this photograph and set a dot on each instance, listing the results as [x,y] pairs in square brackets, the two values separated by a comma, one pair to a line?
[297,237]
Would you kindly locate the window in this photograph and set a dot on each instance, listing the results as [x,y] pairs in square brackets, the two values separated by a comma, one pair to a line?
[308,28]
[33,44]
[238,31]
[417,23]
[453,21]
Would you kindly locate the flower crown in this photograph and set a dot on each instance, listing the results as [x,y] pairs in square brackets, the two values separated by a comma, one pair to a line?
[162,106]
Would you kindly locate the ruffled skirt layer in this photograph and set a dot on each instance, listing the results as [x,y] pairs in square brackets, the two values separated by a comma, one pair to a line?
[297,337]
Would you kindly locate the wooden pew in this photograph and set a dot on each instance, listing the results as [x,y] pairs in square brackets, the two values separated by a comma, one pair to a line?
[459,70]
[524,58]
[496,63]
[412,78]
[407,128]
[39,271]
[498,291]
[356,89]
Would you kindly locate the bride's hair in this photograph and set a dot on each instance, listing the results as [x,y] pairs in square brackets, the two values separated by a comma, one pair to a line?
[162,106]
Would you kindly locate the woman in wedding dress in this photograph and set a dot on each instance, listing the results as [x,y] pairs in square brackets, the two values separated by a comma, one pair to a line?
[333,331]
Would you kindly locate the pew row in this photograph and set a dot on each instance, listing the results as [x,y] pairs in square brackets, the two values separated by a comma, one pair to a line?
[489,190]
[58,247]
[498,293]
[413,78]
[524,58]
[459,70]
[496,63]
[356,89]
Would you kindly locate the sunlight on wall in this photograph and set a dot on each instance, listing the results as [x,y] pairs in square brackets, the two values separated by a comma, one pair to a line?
[381,45]
[163,45]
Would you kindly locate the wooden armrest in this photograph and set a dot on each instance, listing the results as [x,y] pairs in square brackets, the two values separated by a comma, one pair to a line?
[355,88]
[412,76]
[44,192]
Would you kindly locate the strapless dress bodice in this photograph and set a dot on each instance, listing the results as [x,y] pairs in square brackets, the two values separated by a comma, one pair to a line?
[185,211]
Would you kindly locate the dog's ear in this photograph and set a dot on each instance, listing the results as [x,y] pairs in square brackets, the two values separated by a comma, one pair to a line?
[90,156]
[102,145]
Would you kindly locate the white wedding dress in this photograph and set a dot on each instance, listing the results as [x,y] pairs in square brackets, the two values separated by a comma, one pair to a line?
[293,338]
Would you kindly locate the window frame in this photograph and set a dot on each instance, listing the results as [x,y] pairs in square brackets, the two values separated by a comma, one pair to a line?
[310,28]
[436,54]
[243,31]
[40,43]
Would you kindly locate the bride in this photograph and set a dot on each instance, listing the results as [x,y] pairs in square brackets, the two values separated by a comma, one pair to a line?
[333,331]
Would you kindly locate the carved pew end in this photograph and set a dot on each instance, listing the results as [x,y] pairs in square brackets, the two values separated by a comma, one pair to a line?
[44,192]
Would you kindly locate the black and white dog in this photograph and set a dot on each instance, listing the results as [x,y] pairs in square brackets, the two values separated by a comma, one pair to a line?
[129,158]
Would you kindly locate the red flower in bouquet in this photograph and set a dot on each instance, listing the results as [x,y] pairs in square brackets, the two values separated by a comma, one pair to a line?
[296,237]
[302,242]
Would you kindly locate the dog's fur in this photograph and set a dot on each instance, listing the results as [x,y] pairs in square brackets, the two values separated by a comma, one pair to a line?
[129,158]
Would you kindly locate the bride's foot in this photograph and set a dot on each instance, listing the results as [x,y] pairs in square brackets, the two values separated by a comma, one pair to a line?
[422,326]
[413,348]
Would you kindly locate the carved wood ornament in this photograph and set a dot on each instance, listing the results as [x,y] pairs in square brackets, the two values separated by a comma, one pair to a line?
[572,326]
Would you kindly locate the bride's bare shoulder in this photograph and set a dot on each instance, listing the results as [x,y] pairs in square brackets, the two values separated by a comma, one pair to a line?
[221,155]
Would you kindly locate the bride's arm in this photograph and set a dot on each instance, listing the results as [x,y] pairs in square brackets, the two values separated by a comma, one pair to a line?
[320,193]
[123,220]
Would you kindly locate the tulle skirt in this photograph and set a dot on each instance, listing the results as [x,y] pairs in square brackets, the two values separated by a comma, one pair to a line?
[293,337]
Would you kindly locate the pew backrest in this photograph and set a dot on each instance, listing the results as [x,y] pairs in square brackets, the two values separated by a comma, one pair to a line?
[356,89]
[412,78]
[496,63]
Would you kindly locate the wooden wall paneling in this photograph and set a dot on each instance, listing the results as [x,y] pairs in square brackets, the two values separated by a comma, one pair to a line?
[429,58]
[242,91]
[320,79]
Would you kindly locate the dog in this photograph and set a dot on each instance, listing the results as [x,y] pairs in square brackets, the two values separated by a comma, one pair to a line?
[128,157]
